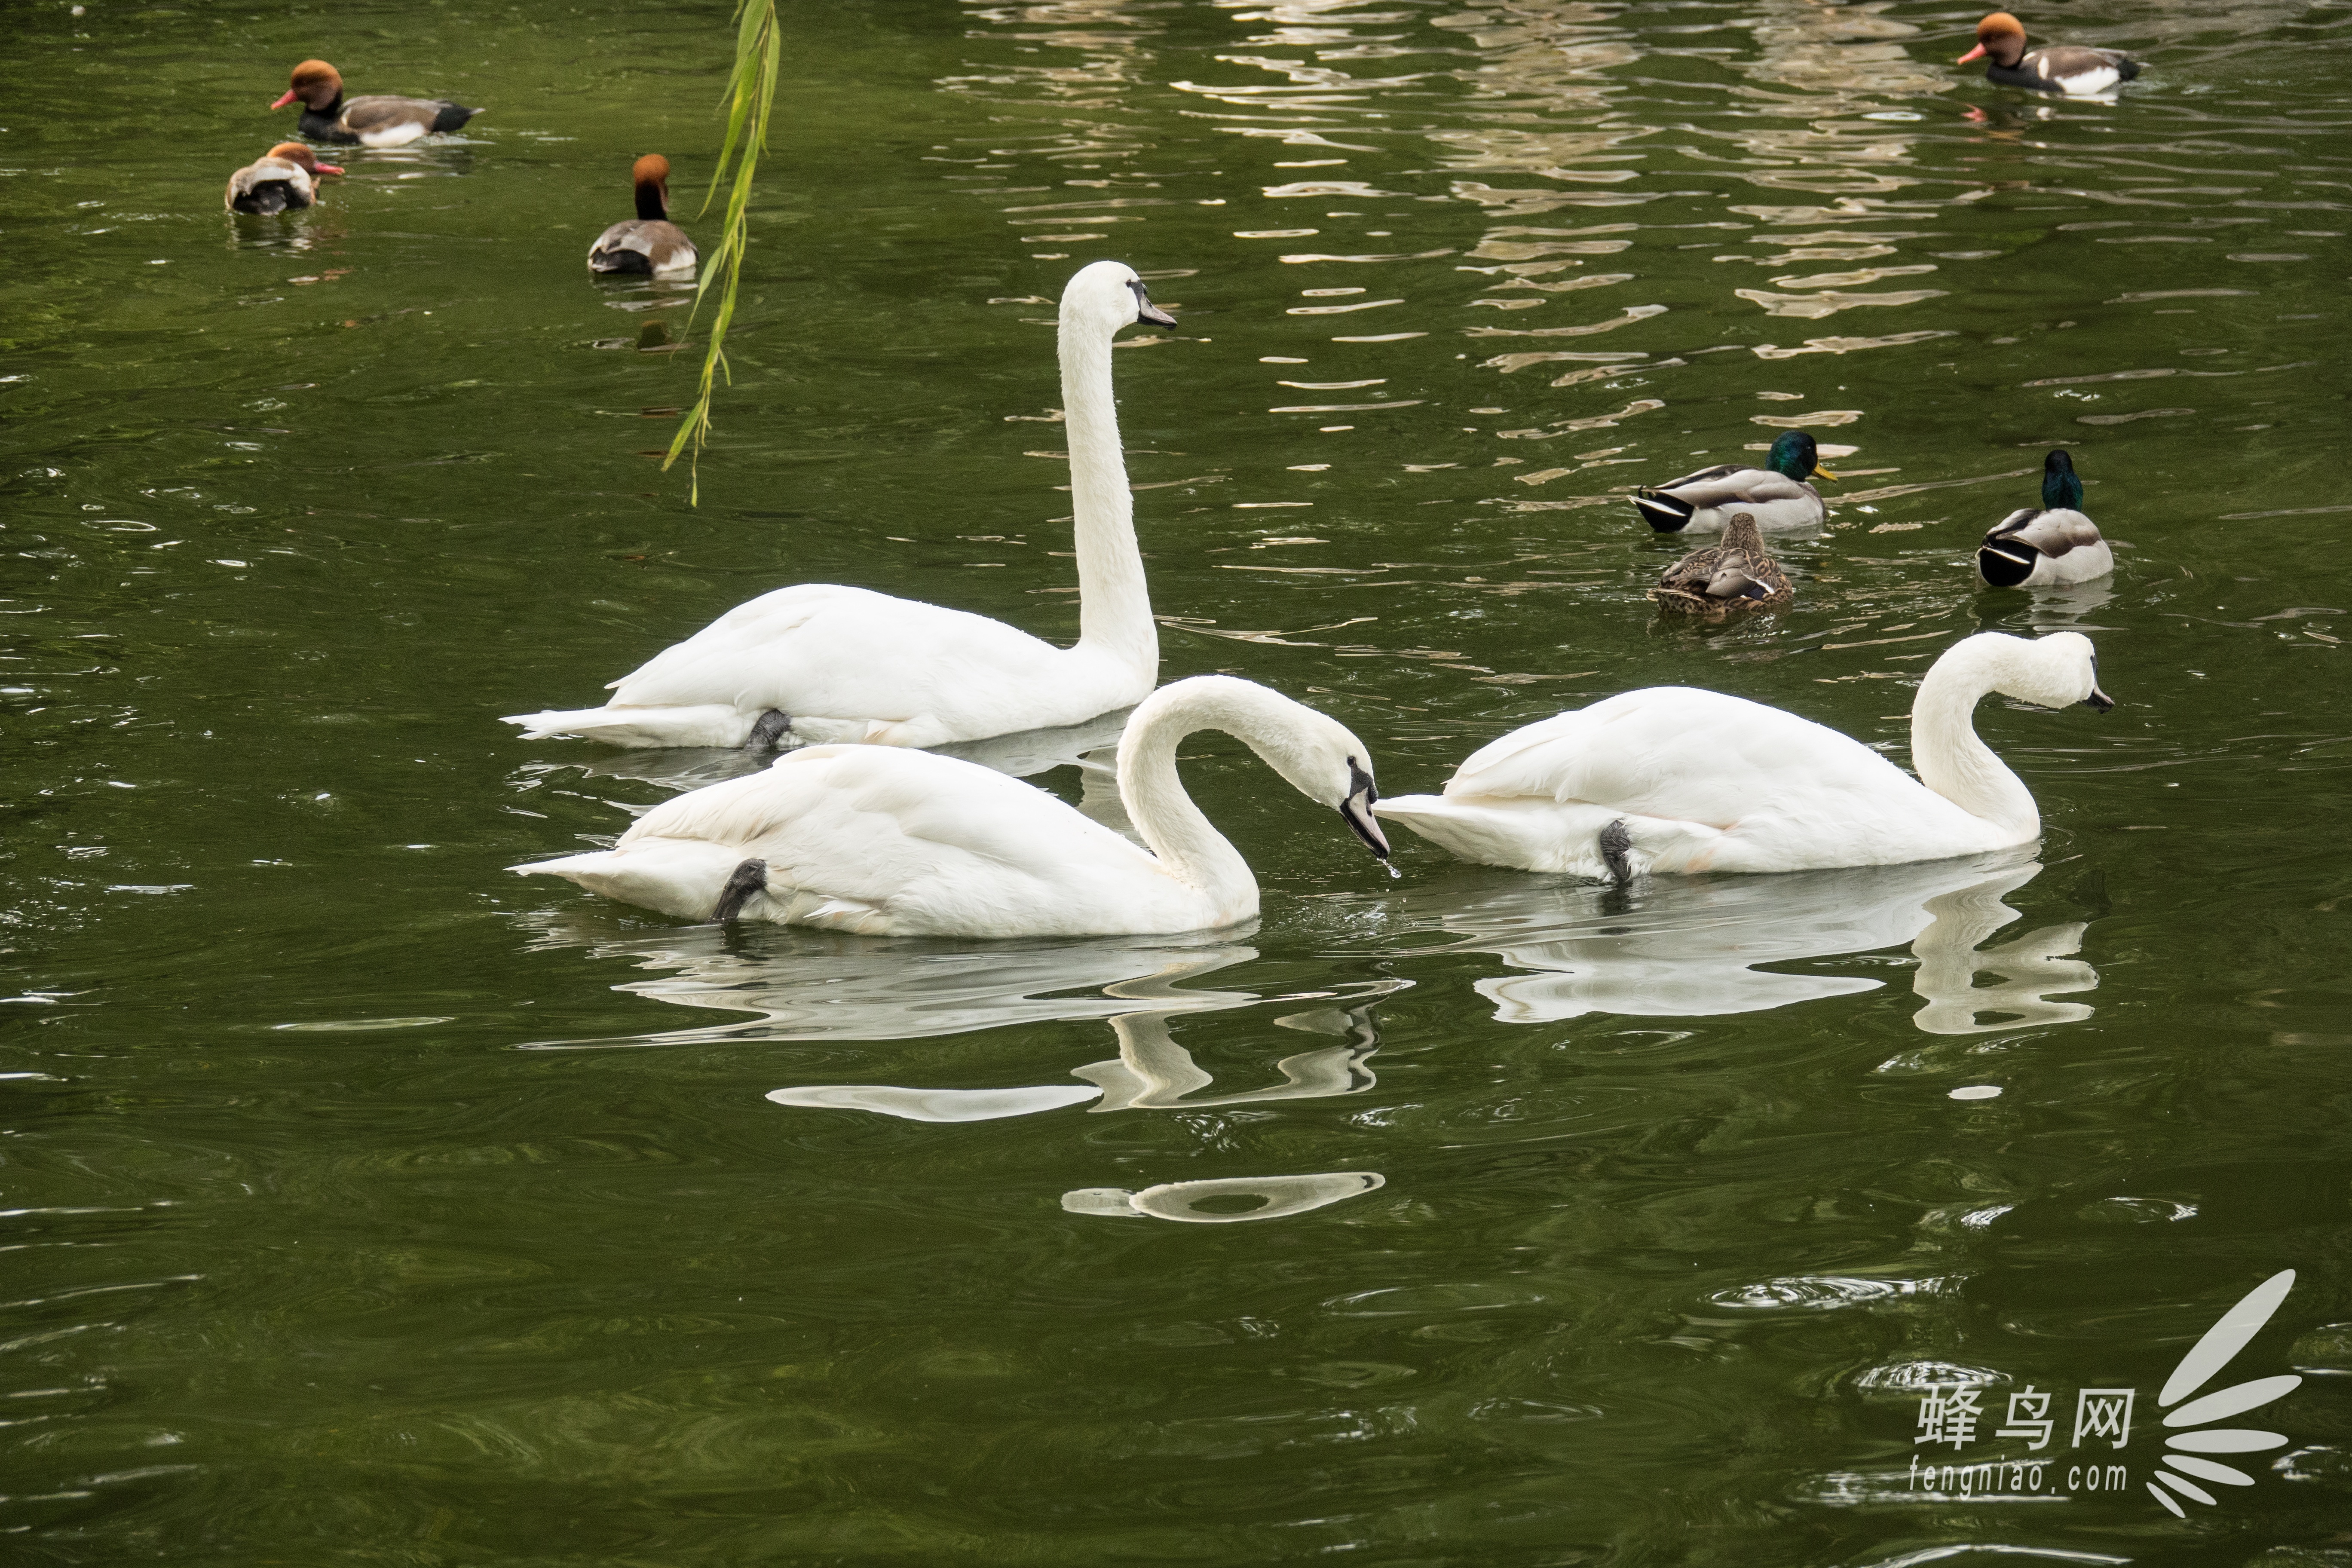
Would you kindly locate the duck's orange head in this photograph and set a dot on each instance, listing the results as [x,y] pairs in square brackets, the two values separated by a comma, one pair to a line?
[2000,36]
[651,174]
[315,83]
[295,153]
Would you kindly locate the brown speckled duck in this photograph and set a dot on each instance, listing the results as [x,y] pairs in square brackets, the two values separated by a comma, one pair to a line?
[649,242]
[1737,574]
[2054,68]
[283,179]
[375,121]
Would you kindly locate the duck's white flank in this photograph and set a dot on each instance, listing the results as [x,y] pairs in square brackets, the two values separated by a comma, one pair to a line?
[1705,782]
[846,664]
[886,842]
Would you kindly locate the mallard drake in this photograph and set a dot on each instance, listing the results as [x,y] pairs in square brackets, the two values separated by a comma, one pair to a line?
[372,122]
[2050,547]
[649,242]
[1776,495]
[1737,574]
[2054,68]
[280,180]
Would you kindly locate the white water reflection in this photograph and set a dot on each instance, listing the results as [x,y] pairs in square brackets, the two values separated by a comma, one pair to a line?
[1241,1197]
[1692,947]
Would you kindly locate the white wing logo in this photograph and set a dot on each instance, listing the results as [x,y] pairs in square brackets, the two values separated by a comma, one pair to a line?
[2207,1357]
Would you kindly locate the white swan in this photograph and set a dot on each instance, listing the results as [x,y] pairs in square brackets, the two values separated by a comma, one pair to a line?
[819,662]
[901,843]
[1676,779]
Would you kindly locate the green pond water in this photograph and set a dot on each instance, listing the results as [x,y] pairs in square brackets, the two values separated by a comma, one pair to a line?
[366,1204]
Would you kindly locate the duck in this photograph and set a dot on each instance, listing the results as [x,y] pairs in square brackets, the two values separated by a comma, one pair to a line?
[2073,68]
[820,663]
[649,242]
[375,121]
[2048,548]
[283,179]
[1680,779]
[880,841]
[1737,574]
[1776,495]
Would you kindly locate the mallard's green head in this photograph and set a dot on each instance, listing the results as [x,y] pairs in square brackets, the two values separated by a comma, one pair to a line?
[2059,488]
[1795,455]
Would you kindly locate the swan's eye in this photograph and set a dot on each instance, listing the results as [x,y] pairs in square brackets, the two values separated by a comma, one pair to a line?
[1361,782]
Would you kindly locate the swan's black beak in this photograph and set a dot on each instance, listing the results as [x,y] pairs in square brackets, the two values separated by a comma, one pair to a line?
[2098,701]
[1356,809]
[1145,311]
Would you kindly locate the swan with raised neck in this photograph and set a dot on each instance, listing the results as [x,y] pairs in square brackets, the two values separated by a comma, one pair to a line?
[821,662]
[1673,778]
[889,842]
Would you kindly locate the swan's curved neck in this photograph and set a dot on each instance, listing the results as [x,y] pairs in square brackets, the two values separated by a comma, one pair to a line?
[1951,759]
[1114,606]
[1194,851]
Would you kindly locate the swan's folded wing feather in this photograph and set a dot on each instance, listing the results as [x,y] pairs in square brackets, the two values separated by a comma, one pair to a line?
[821,650]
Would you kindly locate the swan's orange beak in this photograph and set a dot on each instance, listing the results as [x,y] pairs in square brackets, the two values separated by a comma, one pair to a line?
[1975,54]
[288,96]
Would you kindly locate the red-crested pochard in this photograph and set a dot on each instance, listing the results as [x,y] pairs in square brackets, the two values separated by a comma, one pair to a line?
[281,179]
[649,242]
[2054,68]
[370,122]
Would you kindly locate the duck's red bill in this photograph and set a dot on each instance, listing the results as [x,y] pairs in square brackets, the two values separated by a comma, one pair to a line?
[288,96]
[1975,54]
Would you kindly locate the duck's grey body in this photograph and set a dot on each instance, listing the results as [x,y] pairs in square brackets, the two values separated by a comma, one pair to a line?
[2043,548]
[1776,495]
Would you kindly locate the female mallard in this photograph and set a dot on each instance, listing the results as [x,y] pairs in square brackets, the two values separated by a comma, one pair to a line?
[1737,574]
[2073,68]
[1776,494]
[2049,548]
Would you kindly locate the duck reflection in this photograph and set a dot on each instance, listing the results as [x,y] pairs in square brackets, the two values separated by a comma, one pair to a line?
[1237,1198]
[1151,1072]
[1690,948]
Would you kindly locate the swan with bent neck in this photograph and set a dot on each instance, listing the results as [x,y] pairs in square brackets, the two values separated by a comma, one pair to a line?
[1673,778]
[819,662]
[891,842]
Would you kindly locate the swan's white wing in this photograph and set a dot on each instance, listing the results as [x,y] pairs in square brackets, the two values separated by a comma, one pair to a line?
[819,651]
[1683,755]
[932,842]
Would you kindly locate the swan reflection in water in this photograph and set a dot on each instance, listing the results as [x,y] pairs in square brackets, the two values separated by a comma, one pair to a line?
[1239,1198]
[1152,1072]
[802,984]
[1677,947]
[1092,748]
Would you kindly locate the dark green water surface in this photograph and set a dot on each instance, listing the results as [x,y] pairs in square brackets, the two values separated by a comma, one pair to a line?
[365,1205]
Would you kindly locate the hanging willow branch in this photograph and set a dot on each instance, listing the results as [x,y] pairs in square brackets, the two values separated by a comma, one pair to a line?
[751,95]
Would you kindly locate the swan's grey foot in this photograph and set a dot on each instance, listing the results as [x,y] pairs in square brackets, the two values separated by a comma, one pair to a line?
[750,877]
[1615,839]
[773,725]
